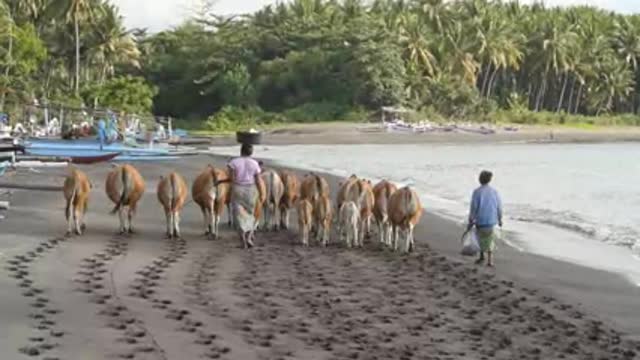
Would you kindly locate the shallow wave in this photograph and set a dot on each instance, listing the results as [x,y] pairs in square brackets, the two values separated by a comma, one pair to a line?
[570,221]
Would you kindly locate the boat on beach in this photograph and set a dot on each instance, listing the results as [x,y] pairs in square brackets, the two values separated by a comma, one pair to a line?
[83,146]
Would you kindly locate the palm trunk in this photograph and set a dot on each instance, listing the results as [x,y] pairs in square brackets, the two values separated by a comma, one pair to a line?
[8,69]
[541,92]
[571,92]
[485,80]
[564,89]
[577,107]
[491,82]
[77,33]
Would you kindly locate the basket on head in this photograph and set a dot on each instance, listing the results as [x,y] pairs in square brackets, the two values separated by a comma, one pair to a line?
[249,137]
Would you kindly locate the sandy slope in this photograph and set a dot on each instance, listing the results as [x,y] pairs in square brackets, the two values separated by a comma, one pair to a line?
[102,296]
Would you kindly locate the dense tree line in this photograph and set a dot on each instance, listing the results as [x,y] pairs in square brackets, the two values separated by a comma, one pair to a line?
[69,52]
[455,58]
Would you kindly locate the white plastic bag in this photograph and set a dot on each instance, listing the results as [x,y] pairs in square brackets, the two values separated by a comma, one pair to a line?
[470,245]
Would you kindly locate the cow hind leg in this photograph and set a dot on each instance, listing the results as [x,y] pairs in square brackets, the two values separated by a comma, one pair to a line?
[276,216]
[325,234]
[381,230]
[410,239]
[83,213]
[130,220]
[216,223]
[205,218]
[70,216]
[169,221]
[355,235]
[211,220]
[123,221]
[395,237]
[77,219]
[176,225]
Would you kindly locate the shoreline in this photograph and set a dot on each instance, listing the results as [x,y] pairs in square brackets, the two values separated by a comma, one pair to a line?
[280,298]
[372,133]
[597,290]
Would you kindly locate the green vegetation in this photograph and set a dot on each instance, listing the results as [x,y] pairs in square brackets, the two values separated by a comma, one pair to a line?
[71,52]
[324,60]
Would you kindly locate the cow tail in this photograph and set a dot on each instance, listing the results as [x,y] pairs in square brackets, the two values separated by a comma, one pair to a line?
[174,195]
[319,189]
[410,203]
[123,196]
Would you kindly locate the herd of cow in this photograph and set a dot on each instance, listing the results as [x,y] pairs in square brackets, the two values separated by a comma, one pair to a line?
[358,203]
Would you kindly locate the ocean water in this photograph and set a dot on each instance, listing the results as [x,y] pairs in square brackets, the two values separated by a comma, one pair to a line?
[573,202]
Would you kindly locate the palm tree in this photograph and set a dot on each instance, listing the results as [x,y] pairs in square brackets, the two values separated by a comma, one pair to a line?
[626,41]
[75,12]
[113,44]
[417,48]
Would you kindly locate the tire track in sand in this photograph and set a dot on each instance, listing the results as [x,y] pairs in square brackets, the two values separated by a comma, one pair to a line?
[96,279]
[44,312]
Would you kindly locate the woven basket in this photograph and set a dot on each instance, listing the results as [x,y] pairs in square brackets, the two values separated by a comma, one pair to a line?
[251,138]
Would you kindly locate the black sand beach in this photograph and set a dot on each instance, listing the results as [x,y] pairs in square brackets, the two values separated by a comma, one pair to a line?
[102,296]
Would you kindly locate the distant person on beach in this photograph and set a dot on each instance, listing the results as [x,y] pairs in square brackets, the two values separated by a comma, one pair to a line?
[245,175]
[485,214]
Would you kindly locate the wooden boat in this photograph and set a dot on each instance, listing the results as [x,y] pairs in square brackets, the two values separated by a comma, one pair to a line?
[76,147]
[86,160]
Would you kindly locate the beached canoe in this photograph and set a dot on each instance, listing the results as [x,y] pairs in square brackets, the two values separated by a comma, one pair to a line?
[79,147]
[86,160]
[145,158]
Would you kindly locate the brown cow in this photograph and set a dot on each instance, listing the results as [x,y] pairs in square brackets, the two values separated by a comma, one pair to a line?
[405,211]
[76,193]
[366,202]
[348,222]
[172,194]
[305,219]
[323,214]
[211,190]
[274,193]
[347,191]
[313,188]
[125,186]
[291,193]
[382,192]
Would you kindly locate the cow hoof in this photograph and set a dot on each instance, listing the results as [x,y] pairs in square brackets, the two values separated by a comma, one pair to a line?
[68,234]
[78,232]
[83,227]
[131,231]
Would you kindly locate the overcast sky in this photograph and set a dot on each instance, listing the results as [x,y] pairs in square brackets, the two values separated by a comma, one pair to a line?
[161,14]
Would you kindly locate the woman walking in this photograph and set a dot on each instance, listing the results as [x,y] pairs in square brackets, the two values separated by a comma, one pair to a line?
[245,175]
[485,214]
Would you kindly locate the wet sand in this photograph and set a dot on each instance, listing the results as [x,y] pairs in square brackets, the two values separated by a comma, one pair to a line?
[102,296]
